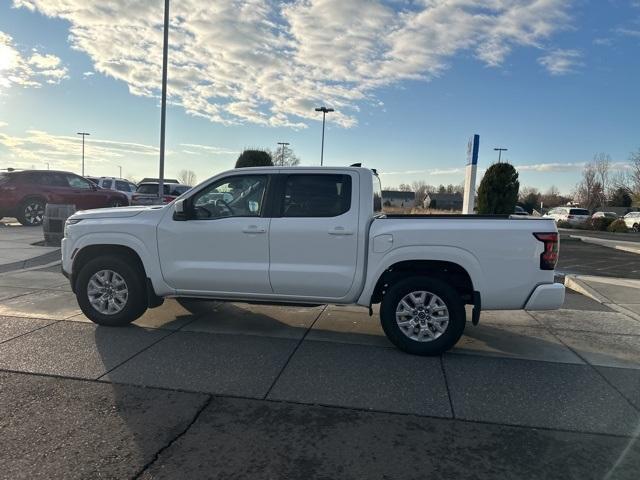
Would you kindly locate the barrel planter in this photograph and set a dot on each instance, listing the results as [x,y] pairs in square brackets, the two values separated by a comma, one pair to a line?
[55,215]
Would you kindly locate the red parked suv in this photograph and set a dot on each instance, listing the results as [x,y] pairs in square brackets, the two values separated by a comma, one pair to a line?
[24,194]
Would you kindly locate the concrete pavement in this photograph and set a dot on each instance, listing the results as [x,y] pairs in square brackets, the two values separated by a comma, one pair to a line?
[236,390]
[17,249]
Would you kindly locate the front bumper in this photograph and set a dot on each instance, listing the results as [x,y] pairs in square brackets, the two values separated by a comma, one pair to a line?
[546,297]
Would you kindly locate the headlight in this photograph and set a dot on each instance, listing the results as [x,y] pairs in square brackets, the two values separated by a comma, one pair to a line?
[70,221]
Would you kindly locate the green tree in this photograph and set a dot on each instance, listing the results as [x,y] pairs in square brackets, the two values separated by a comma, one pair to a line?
[498,191]
[620,197]
[254,158]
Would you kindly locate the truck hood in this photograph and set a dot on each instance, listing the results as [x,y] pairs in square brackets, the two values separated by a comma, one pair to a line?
[118,212]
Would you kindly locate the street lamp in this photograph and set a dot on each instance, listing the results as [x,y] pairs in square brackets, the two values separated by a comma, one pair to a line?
[283,145]
[84,134]
[163,108]
[120,167]
[500,150]
[324,111]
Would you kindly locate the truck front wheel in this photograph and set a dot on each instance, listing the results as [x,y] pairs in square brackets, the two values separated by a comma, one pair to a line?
[111,291]
[422,316]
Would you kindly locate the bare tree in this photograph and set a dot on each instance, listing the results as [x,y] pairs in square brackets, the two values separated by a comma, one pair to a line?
[602,162]
[285,157]
[635,172]
[187,177]
[421,188]
[404,187]
[589,191]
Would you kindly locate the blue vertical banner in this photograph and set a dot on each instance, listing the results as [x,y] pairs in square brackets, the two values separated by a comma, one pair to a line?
[472,149]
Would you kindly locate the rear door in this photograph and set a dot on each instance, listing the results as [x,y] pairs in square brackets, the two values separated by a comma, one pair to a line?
[314,236]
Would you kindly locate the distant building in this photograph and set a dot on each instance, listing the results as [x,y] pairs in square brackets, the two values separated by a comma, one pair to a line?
[443,201]
[392,198]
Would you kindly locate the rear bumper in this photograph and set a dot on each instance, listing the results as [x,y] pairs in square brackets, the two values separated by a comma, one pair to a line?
[546,297]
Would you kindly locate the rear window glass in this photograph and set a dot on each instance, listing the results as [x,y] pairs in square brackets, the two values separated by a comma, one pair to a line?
[377,194]
[107,183]
[151,189]
[316,195]
[578,211]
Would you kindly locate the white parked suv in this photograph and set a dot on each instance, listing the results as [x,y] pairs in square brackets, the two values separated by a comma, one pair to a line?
[119,184]
[575,216]
[311,235]
[632,221]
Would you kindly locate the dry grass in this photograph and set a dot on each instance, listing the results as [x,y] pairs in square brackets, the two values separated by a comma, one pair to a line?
[418,211]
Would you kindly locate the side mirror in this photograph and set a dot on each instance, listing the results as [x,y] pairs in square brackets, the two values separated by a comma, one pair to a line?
[180,210]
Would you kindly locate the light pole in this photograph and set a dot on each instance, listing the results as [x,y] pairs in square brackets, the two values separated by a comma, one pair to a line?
[84,134]
[120,167]
[500,150]
[47,165]
[283,145]
[163,108]
[324,111]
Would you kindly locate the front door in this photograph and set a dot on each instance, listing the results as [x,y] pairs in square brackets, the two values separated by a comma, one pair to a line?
[314,243]
[223,246]
[84,194]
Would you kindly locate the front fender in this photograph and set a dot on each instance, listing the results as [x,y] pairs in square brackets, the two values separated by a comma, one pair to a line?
[379,263]
[149,258]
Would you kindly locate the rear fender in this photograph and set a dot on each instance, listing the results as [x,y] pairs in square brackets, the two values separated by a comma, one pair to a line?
[459,256]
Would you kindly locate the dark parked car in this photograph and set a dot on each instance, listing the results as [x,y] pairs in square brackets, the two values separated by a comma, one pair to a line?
[24,194]
[147,193]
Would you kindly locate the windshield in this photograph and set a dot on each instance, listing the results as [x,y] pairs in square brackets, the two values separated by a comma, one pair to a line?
[152,189]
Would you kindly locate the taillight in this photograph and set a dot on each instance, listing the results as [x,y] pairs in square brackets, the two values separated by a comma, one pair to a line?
[570,216]
[549,257]
[167,199]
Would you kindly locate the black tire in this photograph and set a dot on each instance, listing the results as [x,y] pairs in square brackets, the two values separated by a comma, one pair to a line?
[31,212]
[116,203]
[136,302]
[636,227]
[448,295]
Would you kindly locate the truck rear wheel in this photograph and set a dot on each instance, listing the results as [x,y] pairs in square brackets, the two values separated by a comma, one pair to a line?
[110,291]
[423,316]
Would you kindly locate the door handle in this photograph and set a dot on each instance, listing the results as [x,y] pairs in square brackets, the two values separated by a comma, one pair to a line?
[254,229]
[340,231]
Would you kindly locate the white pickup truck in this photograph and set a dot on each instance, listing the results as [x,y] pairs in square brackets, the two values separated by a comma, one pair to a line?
[307,235]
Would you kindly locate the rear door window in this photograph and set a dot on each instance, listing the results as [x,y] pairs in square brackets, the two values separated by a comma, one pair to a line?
[317,195]
[107,184]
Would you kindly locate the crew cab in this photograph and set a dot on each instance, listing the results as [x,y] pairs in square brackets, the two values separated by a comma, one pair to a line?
[304,235]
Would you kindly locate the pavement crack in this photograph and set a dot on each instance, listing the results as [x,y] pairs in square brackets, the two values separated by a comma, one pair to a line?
[180,434]
[446,385]
[293,352]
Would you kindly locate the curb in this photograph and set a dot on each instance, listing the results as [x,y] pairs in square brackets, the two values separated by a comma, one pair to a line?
[573,282]
[39,261]
[631,247]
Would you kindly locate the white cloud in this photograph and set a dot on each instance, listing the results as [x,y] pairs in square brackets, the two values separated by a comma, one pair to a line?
[36,147]
[561,62]
[21,70]
[270,62]
[3,124]
[88,74]
[197,149]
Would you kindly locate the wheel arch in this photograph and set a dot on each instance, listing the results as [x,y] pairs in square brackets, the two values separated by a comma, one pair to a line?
[453,265]
[90,245]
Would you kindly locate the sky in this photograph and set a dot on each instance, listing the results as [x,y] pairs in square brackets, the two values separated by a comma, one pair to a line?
[554,81]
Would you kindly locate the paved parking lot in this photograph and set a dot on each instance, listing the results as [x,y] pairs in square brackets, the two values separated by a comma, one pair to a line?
[245,391]
[589,259]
